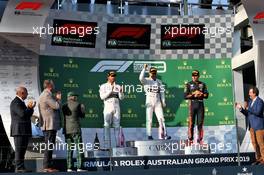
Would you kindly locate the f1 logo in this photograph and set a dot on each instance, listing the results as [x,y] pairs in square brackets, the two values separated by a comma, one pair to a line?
[29,5]
[134,32]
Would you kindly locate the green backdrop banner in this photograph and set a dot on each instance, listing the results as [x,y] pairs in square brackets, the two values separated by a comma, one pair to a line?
[84,75]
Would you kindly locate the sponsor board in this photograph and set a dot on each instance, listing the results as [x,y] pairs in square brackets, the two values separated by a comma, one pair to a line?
[84,76]
[128,36]
[182,36]
[74,33]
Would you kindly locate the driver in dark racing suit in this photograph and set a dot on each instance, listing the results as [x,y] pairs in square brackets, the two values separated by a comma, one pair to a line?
[195,91]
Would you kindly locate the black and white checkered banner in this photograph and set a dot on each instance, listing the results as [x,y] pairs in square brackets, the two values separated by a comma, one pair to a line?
[217,37]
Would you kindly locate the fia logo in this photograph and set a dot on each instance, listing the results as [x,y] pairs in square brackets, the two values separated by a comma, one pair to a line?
[166,43]
[112,42]
[57,39]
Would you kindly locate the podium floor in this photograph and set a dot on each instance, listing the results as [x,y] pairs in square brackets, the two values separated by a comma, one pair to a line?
[229,170]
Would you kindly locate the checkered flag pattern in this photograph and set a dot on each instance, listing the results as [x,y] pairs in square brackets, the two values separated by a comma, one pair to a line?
[216,46]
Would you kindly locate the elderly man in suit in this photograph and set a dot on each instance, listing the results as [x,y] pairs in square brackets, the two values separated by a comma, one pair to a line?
[50,122]
[254,114]
[73,112]
[21,126]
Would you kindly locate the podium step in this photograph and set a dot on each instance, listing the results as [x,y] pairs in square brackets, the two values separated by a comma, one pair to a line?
[152,148]
[157,147]
[115,152]
[98,153]
[124,152]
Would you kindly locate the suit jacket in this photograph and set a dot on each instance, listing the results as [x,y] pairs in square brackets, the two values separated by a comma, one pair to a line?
[20,118]
[49,110]
[72,113]
[254,114]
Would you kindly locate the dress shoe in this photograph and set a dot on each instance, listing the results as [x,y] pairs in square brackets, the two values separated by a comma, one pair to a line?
[167,137]
[23,171]
[81,170]
[69,170]
[50,170]
[150,138]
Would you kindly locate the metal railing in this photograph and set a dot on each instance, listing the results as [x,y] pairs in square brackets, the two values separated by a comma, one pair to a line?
[183,7]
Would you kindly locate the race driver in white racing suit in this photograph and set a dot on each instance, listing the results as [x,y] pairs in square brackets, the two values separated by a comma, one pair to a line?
[155,101]
[111,93]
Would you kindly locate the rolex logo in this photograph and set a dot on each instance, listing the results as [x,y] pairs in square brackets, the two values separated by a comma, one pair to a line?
[71,84]
[90,111]
[129,111]
[204,72]
[224,83]
[224,64]
[185,66]
[206,109]
[183,84]
[90,91]
[225,102]
[168,111]
[51,73]
[226,118]
[70,64]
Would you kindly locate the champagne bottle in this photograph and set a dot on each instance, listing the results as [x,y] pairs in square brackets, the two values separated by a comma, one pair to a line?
[96,142]
[121,138]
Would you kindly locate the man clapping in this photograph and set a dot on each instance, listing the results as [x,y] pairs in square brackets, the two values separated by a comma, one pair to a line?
[21,126]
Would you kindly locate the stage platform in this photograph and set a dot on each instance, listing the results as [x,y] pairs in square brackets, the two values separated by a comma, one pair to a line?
[150,162]
[225,170]
[152,148]
[149,156]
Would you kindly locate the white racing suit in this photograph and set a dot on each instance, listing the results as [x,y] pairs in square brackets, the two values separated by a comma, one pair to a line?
[155,101]
[111,95]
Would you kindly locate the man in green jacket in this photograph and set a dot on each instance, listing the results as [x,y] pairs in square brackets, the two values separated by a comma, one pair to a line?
[73,111]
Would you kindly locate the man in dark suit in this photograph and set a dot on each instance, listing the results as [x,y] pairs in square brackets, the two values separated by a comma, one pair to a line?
[21,126]
[254,114]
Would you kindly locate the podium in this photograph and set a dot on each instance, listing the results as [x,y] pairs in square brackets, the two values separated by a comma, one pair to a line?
[152,148]
[157,147]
